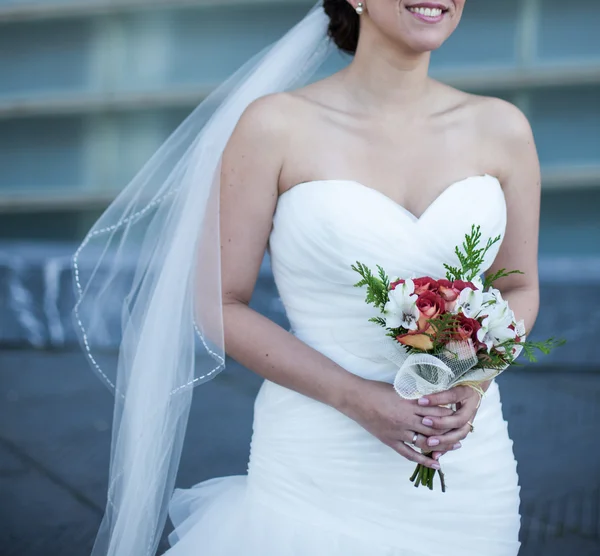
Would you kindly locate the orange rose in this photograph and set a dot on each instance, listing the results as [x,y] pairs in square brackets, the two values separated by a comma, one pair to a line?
[417,339]
[430,306]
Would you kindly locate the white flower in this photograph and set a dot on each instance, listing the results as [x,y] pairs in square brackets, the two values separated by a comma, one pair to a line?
[401,309]
[495,326]
[493,296]
[477,283]
[470,301]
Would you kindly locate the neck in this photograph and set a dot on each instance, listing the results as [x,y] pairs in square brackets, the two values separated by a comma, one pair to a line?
[385,74]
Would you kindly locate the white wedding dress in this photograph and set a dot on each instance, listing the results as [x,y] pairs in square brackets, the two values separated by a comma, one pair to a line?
[318,484]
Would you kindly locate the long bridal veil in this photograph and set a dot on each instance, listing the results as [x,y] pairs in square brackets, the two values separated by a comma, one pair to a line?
[150,269]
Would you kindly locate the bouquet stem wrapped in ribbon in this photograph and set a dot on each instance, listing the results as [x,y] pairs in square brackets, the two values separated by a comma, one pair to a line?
[448,332]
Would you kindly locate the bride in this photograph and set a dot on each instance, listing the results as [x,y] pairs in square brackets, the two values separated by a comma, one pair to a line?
[377,163]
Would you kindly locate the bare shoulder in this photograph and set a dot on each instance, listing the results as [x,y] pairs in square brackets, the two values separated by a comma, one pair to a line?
[269,130]
[483,115]
[267,116]
[272,120]
[507,130]
[324,100]
[504,135]
[261,134]
[502,120]
[255,151]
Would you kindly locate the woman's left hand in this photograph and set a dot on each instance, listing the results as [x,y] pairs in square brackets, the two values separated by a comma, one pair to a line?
[458,425]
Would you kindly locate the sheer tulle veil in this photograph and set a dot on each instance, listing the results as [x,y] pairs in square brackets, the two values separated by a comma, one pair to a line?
[148,272]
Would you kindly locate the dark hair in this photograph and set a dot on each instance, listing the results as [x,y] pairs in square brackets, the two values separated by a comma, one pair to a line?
[344,24]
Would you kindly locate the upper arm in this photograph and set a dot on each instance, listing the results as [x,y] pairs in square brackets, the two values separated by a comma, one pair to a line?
[250,170]
[521,183]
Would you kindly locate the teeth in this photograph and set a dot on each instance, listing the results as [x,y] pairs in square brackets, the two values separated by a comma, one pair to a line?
[427,12]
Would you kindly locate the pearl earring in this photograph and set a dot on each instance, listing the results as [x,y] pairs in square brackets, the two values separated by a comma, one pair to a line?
[360,9]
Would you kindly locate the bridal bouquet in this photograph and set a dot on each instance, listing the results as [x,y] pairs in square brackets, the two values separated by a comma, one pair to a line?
[447,332]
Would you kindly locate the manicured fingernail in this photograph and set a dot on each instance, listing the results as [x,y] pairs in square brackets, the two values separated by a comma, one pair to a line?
[437,456]
[457,446]
[423,401]
[427,422]
[436,466]
[433,442]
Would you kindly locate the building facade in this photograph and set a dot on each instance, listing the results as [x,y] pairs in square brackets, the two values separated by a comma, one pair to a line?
[90,88]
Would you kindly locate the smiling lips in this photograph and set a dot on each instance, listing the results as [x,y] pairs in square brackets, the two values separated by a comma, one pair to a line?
[428,12]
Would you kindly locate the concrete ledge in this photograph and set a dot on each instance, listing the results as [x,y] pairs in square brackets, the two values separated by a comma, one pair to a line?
[37,297]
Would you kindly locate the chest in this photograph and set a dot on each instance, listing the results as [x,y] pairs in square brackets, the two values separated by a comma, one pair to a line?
[410,164]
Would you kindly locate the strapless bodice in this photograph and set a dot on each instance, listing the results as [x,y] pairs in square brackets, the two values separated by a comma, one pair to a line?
[321,228]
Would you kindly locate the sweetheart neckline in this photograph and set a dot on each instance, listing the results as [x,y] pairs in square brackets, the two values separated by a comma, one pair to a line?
[392,201]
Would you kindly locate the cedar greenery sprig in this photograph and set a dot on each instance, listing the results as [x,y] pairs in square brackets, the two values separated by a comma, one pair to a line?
[444,326]
[378,320]
[502,273]
[531,348]
[470,257]
[378,287]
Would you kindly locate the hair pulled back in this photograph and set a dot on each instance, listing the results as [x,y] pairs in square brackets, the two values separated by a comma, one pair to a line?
[344,25]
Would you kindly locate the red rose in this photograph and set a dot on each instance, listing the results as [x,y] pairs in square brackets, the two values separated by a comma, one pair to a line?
[425,284]
[395,284]
[466,329]
[451,290]
[447,291]
[430,305]
[460,285]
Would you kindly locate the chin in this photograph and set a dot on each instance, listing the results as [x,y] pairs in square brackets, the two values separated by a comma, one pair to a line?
[424,44]
[422,25]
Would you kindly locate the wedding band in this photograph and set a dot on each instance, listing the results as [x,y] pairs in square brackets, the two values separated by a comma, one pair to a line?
[471,425]
[415,438]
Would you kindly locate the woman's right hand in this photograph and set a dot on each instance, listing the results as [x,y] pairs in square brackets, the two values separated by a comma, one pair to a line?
[381,411]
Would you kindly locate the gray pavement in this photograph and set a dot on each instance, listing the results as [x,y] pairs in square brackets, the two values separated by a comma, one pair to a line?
[55,437]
